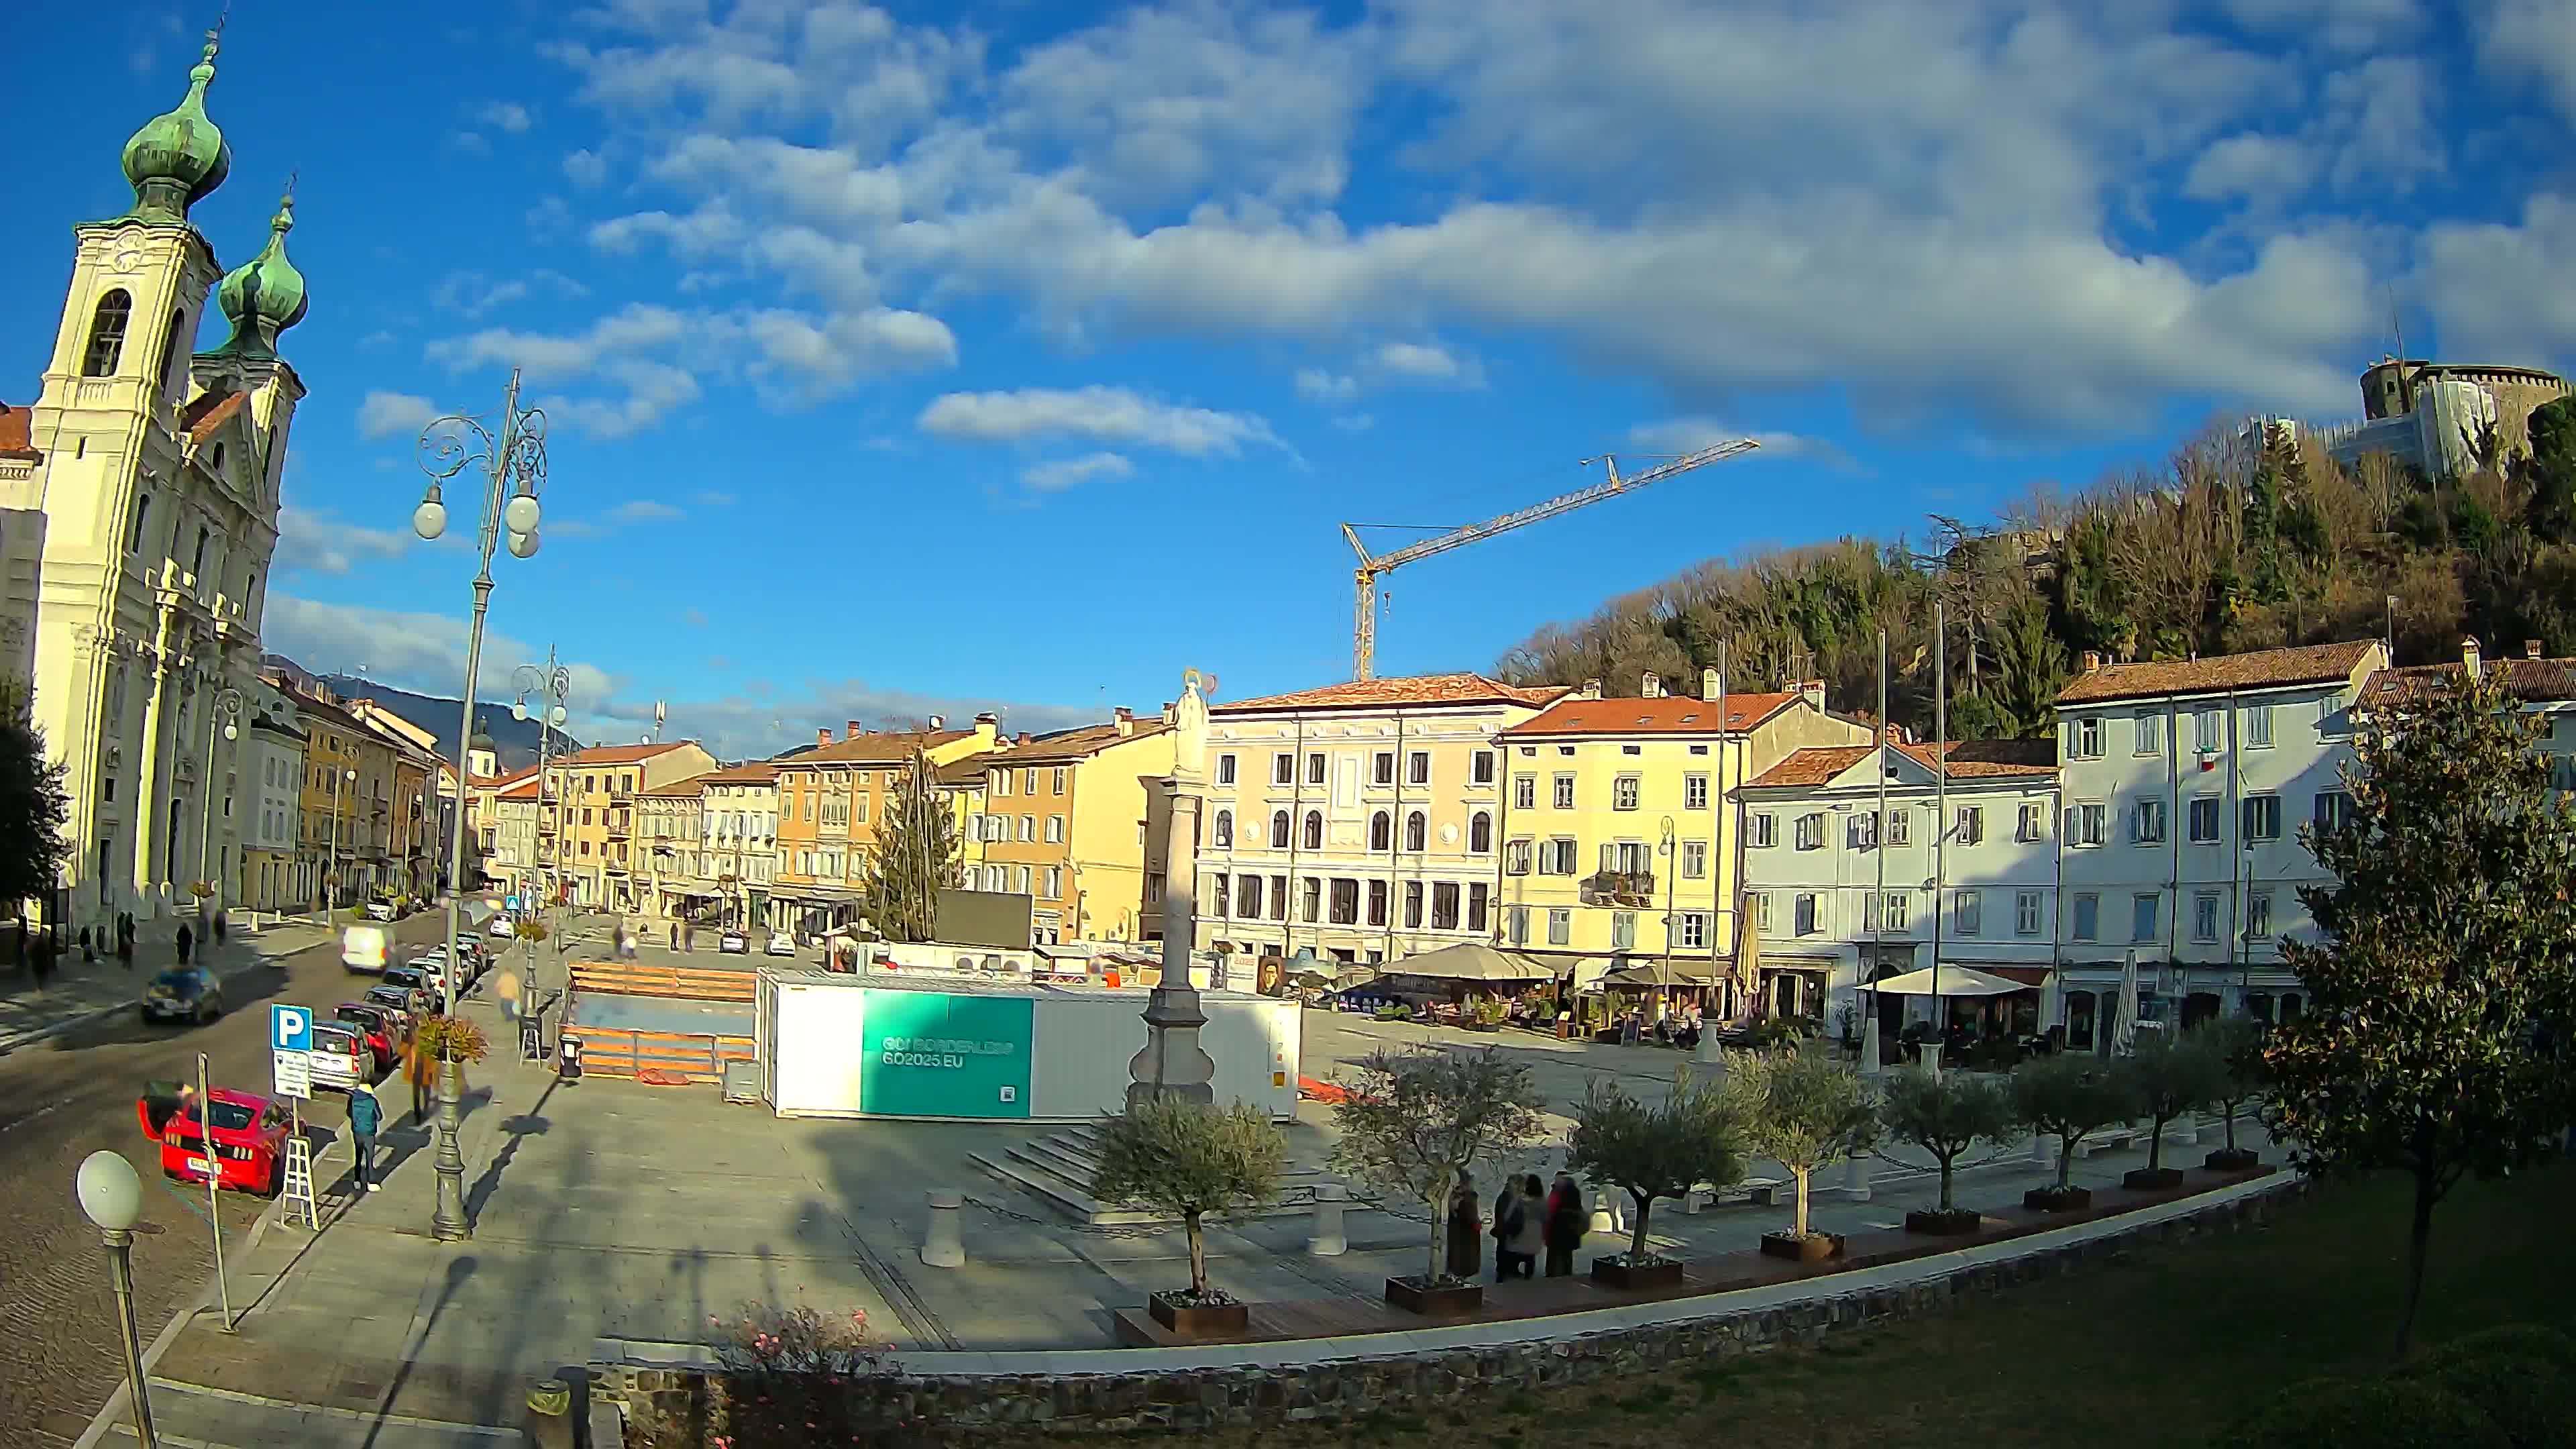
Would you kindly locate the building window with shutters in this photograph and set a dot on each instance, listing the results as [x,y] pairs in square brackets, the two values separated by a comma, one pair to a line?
[1413,905]
[1624,791]
[1382,828]
[1694,859]
[1417,768]
[1564,796]
[1623,930]
[1278,830]
[1377,903]
[1516,857]
[1525,792]
[1346,901]
[1444,905]
[1417,832]
[1516,924]
[1480,833]
[1223,829]
[1382,768]
[1479,903]
[1968,913]
[1560,926]
[1314,830]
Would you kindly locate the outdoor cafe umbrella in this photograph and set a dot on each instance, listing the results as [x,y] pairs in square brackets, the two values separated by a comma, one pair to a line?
[1955,980]
[1471,961]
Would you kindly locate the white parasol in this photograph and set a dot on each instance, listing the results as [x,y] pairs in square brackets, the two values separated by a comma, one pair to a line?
[2124,1032]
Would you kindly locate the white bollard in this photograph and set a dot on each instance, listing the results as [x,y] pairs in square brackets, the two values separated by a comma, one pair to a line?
[1328,1241]
[2186,1131]
[1856,1179]
[1606,1217]
[941,1244]
[1869,1044]
[2041,1154]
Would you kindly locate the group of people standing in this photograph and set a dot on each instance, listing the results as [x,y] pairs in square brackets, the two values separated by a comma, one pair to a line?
[1527,1221]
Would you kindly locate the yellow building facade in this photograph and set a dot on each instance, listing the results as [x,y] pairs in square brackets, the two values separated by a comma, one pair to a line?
[1067,820]
[1619,842]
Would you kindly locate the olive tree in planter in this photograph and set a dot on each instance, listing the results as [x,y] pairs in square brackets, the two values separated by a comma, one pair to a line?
[1191,1160]
[2167,1077]
[2073,1095]
[1414,1123]
[2237,1042]
[1691,1137]
[1945,1115]
[1807,1112]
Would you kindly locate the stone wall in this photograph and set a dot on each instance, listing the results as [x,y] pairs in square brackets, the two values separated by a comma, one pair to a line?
[657,1400]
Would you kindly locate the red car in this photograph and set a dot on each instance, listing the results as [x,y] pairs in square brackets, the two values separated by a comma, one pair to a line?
[374,1026]
[250,1133]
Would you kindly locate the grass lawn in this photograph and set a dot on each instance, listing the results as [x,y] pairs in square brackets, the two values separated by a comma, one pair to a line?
[2164,1349]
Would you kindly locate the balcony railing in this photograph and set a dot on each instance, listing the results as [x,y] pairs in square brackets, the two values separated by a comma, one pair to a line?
[1620,887]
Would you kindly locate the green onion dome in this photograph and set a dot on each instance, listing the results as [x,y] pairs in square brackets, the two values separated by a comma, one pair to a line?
[176,159]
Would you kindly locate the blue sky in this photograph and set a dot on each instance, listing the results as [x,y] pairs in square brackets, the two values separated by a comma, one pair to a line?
[937,357]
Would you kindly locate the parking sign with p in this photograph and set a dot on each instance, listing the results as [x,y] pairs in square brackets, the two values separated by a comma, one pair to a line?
[290,1028]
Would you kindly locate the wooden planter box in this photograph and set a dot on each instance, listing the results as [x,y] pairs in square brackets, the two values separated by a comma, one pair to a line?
[1411,1295]
[1204,1320]
[1956,1223]
[2233,1159]
[1813,1248]
[2057,1199]
[1484,1026]
[2151,1179]
[1613,1273]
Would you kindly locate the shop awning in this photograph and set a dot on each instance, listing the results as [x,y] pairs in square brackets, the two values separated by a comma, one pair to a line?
[1955,981]
[1470,961]
[1687,974]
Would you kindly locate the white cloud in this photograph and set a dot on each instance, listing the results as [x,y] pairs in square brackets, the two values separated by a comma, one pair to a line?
[2251,167]
[378,338]
[1100,414]
[507,116]
[1355,422]
[644,510]
[1426,363]
[1318,385]
[585,169]
[1058,474]
[694,618]
[1677,436]
[382,414]
[312,541]
[2501,290]
[2535,39]
[712,498]
[471,142]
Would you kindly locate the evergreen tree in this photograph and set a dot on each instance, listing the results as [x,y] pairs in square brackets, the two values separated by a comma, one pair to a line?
[916,857]
[2550,469]
[2441,971]
[33,807]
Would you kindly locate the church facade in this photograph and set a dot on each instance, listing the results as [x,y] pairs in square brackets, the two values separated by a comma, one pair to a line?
[138,517]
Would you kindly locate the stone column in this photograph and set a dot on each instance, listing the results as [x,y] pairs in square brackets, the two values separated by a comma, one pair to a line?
[1173,1064]
[147,788]
[1327,1240]
[943,1241]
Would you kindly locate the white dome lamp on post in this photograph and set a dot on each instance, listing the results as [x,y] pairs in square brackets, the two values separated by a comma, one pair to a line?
[111,1197]
[513,468]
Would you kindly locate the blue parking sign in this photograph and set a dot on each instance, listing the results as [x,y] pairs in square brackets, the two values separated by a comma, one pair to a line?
[290,1028]
[510,904]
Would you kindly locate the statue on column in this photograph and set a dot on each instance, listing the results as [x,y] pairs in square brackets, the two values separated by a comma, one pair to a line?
[1173,1064]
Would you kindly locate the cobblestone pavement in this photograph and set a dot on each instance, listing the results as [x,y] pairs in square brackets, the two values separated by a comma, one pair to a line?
[71,1094]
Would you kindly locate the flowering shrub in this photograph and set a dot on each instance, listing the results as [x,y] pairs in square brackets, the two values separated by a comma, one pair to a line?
[786,1379]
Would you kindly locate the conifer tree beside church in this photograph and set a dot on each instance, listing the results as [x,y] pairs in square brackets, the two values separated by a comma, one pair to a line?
[916,858]
[33,807]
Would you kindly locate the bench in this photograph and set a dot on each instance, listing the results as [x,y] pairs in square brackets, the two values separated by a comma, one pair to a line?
[2110,1139]
[1758,1191]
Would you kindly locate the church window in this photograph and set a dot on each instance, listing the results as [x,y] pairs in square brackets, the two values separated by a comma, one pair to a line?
[134,531]
[107,334]
[203,534]
[170,349]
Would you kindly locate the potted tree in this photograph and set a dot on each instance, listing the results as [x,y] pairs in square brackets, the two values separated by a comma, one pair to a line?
[1191,1160]
[1416,1121]
[2237,1042]
[2073,1095]
[1945,1115]
[1691,1137]
[2168,1076]
[1806,1112]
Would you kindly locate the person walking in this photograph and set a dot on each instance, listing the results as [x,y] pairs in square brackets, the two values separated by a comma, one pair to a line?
[125,938]
[417,1069]
[1466,1230]
[1506,1223]
[366,1114]
[1569,1217]
[87,955]
[1529,1235]
[219,928]
[187,938]
[675,935]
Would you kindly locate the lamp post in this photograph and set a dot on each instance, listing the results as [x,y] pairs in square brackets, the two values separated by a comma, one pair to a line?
[331,877]
[512,465]
[111,1196]
[225,725]
[552,685]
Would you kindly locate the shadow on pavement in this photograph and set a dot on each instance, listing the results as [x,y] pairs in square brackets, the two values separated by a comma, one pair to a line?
[458,1271]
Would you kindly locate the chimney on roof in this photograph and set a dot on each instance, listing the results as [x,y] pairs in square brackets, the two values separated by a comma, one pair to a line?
[939,721]
[1813,691]
[1651,687]
[1708,684]
[1021,738]
[1126,718]
[987,726]
[2469,654]
[1591,689]
[822,734]
[2530,648]
[2092,660]
[853,730]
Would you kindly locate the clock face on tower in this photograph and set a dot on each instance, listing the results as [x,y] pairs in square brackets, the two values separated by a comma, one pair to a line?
[128,260]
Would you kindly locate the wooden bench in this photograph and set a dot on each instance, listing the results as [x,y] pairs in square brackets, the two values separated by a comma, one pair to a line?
[671,982]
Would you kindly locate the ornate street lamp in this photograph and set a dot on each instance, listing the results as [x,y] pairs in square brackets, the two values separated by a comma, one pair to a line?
[513,466]
[111,1197]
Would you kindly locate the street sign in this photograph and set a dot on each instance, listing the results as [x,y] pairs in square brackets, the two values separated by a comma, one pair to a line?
[510,904]
[290,1046]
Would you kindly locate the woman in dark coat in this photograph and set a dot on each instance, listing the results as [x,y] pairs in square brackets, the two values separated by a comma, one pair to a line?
[1569,1217]
[1466,1230]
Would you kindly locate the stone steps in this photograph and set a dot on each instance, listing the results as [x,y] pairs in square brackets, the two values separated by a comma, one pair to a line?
[1057,1169]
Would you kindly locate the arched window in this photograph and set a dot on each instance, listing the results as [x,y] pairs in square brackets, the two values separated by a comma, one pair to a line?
[1225,829]
[1381,832]
[170,350]
[1314,830]
[1278,830]
[1480,833]
[1417,830]
[107,334]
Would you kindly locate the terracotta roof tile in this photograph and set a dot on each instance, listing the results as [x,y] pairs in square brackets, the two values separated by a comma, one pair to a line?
[619,754]
[1403,690]
[2530,681]
[17,438]
[1669,714]
[524,790]
[1066,746]
[677,789]
[1969,760]
[759,772]
[2263,669]
[209,411]
[882,748]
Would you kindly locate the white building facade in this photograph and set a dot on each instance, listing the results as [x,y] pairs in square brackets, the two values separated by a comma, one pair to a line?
[1842,897]
[154,471]
[273,878]
[1286,860]
[739,844]
[2185,786]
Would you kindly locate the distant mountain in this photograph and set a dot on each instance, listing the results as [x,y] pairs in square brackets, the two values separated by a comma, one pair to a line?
[514,742]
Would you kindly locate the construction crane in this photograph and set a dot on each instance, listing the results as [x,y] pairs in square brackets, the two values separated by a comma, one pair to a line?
[1372,567]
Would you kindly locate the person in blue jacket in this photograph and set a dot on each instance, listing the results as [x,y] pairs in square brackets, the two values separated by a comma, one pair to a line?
[365,1115]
